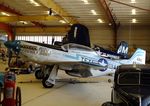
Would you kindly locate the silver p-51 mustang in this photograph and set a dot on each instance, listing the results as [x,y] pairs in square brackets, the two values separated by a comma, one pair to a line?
[76,60]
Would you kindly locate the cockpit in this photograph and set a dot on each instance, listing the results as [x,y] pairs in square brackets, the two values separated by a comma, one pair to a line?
[73,46]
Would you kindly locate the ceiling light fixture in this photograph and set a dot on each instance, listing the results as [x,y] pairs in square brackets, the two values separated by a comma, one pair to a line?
[133,11]
[23,22]
[50,12]
[85,1]
[133,1]
[134,20]
[62,21]
[93,12]
[3,13]
[99,20]
[34,3]
[109,24]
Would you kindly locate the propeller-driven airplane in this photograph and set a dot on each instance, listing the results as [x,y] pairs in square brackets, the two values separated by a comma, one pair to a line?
[77,60]
[120,53]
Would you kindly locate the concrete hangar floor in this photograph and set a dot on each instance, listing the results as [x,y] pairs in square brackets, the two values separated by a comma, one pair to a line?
[86,92]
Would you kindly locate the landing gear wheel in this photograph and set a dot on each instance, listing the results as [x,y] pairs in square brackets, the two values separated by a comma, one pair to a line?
[109,80]
[47,84]
[18,96]
[39,74]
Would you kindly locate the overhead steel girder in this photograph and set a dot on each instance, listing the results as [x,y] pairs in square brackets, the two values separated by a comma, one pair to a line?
[42,30]
[62,13]
[108,12]
[12,11]
[28,18]
[8,9]
[111,19]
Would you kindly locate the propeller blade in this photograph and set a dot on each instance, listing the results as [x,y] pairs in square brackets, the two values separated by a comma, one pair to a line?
[14,45]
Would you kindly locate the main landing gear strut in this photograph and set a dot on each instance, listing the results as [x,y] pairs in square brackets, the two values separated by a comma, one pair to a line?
[50,76]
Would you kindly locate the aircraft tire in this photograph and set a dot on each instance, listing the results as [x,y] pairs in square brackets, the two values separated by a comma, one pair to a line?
[39,74]
[109,80]
[18,96]
[45,83]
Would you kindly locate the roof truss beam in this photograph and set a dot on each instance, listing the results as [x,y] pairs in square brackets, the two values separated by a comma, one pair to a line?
[28,18]
[10,10]
[56,8]
[108,13]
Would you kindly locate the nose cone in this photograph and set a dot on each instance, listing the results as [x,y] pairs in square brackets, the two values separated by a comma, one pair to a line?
[15,45]
[9,44]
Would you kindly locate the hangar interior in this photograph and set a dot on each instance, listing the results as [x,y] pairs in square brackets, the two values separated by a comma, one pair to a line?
[108,21]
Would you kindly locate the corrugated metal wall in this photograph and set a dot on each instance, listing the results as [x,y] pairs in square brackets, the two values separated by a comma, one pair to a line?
[102,36]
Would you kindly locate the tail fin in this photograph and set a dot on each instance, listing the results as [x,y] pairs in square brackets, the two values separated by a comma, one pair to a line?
[79,34]
[139,57]
[123,49]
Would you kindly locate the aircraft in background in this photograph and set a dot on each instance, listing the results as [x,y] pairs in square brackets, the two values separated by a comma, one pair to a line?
[120,53]
[75,59]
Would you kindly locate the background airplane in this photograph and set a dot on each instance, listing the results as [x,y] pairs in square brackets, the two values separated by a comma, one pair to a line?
[77,60]
[120,53]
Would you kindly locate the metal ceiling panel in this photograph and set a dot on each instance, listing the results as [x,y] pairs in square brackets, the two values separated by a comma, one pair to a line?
[82,12]
[123,13]
[24,7]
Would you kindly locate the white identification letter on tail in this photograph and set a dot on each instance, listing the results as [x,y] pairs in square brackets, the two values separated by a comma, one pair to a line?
[139,57]
[123,48]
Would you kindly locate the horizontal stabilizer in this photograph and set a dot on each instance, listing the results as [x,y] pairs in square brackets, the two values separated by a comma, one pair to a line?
[139,57]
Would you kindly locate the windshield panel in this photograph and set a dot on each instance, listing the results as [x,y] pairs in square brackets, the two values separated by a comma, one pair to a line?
[133,78]
[79,47]
[127,78]
[72,46]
